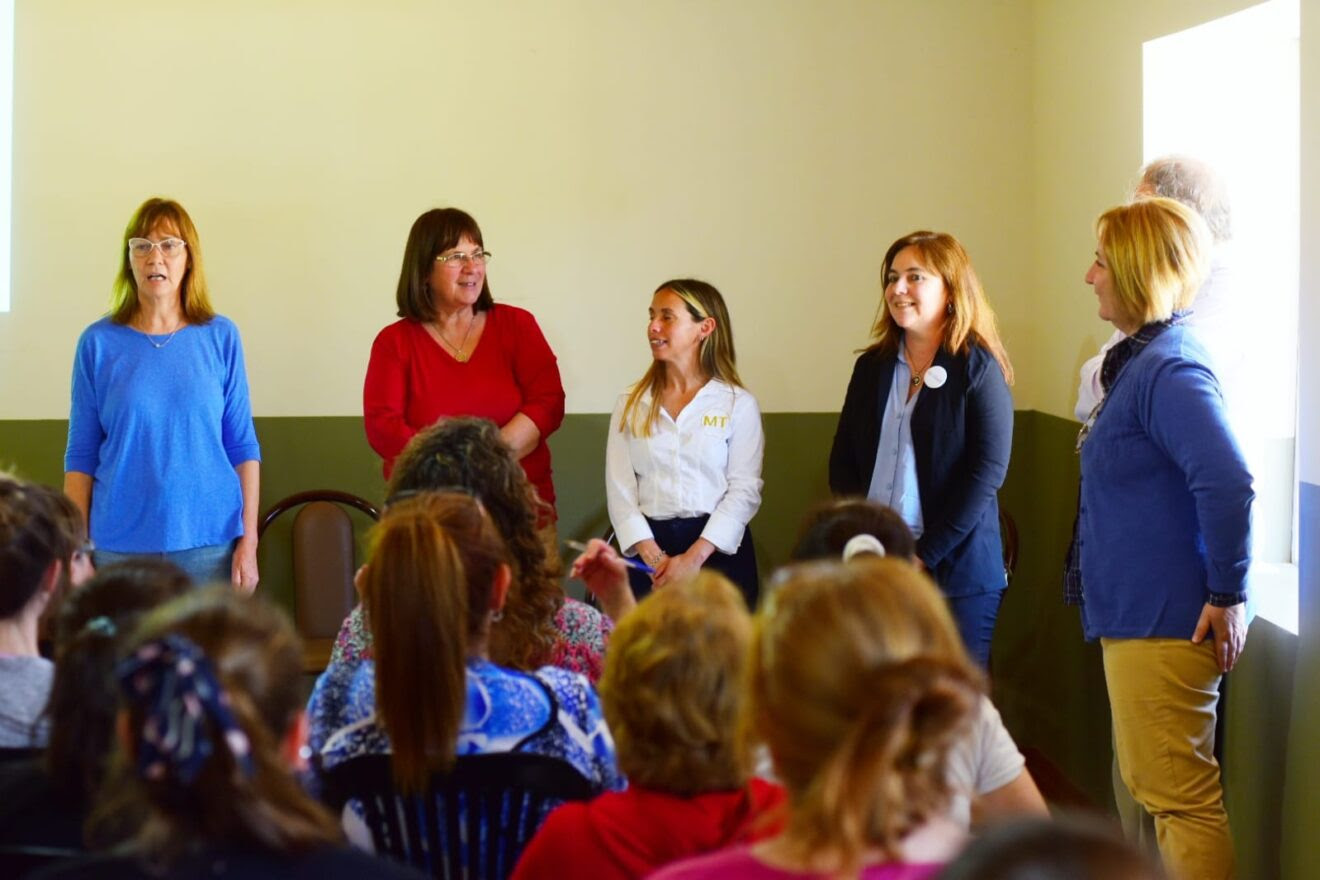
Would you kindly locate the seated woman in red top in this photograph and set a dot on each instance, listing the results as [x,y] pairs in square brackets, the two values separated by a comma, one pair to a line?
[672,692]
[455,353]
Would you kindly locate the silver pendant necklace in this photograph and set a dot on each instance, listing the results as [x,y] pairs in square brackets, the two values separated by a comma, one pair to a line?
[159,345]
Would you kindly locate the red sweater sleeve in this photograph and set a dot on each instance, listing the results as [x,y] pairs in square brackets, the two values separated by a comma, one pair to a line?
[384,394]
[536,370]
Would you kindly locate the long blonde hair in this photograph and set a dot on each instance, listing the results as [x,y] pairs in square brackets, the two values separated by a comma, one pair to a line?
[970,319]
[717,357]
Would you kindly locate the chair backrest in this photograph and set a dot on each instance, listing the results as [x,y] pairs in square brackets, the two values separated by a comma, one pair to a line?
[471,822]
[1008,536]
[323,565]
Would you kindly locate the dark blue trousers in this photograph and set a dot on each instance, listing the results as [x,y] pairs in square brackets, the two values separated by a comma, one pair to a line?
[675,536]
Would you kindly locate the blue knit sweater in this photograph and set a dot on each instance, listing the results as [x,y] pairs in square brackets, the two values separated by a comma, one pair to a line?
[1165,514]
[160,430]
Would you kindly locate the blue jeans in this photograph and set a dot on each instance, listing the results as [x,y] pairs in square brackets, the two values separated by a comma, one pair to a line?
[975,617]
[204,565]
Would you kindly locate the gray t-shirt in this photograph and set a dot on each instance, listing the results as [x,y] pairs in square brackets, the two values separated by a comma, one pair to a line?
[24,688]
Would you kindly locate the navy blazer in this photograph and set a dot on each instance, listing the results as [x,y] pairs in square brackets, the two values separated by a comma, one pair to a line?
[962,434]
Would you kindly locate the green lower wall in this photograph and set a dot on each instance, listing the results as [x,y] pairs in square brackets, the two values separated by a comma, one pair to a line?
[1047,680]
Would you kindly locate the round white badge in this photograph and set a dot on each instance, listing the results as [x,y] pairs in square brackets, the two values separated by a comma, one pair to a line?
[935,377]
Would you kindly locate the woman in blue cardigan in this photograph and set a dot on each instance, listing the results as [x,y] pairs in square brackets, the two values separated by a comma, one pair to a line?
[1160,556]
[927,424]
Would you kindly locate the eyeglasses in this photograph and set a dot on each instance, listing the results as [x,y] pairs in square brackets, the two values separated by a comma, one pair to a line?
[86,548]
[477,256]
[142,247]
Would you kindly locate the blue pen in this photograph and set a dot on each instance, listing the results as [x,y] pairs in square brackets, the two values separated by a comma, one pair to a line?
[627,560]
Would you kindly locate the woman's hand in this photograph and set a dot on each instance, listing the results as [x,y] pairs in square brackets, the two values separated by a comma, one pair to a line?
[684,566]
[243,570]
[1229,628]
[605,575]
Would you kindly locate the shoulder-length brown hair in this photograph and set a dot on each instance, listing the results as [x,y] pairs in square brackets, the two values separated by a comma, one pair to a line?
[432,234]
[860,686]
[194,295]
[468,454]
[971,320]
[426,592]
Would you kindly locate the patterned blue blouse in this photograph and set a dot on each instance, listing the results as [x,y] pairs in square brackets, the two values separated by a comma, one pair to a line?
[547,712]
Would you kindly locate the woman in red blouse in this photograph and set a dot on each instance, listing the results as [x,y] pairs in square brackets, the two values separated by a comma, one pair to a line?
[455,352]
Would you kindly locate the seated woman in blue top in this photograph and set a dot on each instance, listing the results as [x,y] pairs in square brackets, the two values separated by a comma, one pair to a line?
[162,457]
[927,424]
[438,576]
[1160,556]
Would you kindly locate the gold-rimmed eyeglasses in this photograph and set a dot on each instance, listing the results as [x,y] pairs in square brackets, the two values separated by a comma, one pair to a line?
[458,258]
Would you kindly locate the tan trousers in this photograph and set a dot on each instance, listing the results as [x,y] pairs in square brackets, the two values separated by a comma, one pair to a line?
[1162,693]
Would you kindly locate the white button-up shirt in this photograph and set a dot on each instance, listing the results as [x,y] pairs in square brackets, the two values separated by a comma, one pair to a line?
[707,461]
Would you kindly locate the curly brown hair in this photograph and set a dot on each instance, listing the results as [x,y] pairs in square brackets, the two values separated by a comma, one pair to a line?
[467,454]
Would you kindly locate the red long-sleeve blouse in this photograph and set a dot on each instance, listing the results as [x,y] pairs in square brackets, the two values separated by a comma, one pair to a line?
[412,381]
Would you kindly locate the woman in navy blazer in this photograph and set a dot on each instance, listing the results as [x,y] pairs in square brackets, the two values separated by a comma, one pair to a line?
[927,424]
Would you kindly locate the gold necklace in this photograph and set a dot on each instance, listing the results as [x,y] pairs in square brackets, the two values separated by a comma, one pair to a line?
[918,375]
[457,349]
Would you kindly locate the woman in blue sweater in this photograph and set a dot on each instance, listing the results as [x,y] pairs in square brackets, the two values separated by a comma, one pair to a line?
[162,457]
[1159,561]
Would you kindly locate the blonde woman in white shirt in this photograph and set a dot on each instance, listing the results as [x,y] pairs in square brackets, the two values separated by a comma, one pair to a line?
[683,459]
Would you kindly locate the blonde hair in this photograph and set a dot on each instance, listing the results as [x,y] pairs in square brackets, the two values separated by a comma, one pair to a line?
[859,686]
[717,357]
[1158,254]
[194,295]
[971,321]
[672,690]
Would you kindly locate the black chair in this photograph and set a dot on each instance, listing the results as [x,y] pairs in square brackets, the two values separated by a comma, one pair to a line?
[1008,536]
[471,822]
[323,566]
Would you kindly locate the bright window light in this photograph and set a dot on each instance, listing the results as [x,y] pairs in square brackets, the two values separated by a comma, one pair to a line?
[1228,92]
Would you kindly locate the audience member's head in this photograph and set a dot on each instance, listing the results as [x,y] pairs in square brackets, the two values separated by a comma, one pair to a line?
[859,686]
[436,576]
[38,543]
[211,726]
[469,455]
[1043,849]
[1194,183]
[835,527]
[1158,253]
[93,627]
[672,690]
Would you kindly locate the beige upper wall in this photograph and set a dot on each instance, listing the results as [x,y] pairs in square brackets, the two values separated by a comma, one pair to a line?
[1087,147]
[773,147]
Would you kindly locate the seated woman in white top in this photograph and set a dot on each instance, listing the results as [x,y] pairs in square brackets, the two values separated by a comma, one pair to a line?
[683,459]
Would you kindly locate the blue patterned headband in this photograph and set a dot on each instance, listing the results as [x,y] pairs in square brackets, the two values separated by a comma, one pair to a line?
[174,686]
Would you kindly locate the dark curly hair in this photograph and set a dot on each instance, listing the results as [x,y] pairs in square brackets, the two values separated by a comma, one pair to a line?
[467,454]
